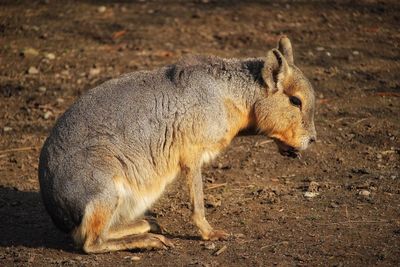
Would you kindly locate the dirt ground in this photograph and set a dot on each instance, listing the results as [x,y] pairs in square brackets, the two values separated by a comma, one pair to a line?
[339,205]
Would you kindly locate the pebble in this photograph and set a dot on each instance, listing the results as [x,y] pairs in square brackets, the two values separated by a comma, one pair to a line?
[101,9]
[65,73]
[334,205]
[356,53]
[328,54]
[47,115]
[7,129]
[33,70]
[364,193]
[239,235]
[320,48]
[209,246]
[42,89]
[50,56]
[94,71]
[60,100]
[135,258]
[310,194]
[132,258]
[30,52]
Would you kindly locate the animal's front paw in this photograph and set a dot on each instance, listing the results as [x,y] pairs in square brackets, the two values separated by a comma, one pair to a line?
[216,235]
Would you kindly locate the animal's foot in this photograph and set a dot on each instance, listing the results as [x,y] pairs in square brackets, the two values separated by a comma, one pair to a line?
[216,235]
[159,241]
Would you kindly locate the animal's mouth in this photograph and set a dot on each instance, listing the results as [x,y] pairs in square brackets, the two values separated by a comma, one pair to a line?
[287,150]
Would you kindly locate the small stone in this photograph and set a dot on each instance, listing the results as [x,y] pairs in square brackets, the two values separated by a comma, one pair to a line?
[239,235]
[50,56]
[7,129]
[29,52]
[320,48]
[328,54]
[135,258]
[33,70]
[94,71]
[364,193]
[42,89]
[101,9]
[59,100]
[356,53]
[334,205]
[209,246]
[310,194]
[132,258]
[47,115]
[65,73]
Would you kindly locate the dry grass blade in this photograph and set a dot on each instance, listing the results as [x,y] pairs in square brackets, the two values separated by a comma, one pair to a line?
[18,149]
[213,186]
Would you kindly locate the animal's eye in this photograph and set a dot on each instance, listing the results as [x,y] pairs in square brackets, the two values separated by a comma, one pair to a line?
[295,101]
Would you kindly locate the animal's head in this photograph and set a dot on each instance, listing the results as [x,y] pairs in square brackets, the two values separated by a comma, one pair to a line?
[285,112]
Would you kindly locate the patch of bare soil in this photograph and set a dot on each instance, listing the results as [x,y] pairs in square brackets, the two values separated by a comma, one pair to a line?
[339,205]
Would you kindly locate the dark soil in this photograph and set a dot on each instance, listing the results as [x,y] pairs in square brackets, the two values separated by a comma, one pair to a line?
[348,49]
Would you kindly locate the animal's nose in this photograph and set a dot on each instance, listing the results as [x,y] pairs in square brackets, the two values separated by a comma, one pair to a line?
[312,139]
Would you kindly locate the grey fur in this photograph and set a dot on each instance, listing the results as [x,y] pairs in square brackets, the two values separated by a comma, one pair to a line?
[132,123]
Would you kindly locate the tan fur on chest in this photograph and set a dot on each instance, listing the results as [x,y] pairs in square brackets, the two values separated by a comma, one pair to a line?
[135,199]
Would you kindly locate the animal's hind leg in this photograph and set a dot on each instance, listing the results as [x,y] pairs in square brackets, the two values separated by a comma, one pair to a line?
[134,228]
[98,237]
[141,241]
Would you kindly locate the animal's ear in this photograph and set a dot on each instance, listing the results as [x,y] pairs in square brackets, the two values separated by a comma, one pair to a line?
[285,47]
[275,70]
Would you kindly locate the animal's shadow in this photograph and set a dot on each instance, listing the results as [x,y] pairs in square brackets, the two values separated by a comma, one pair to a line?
[24,222]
